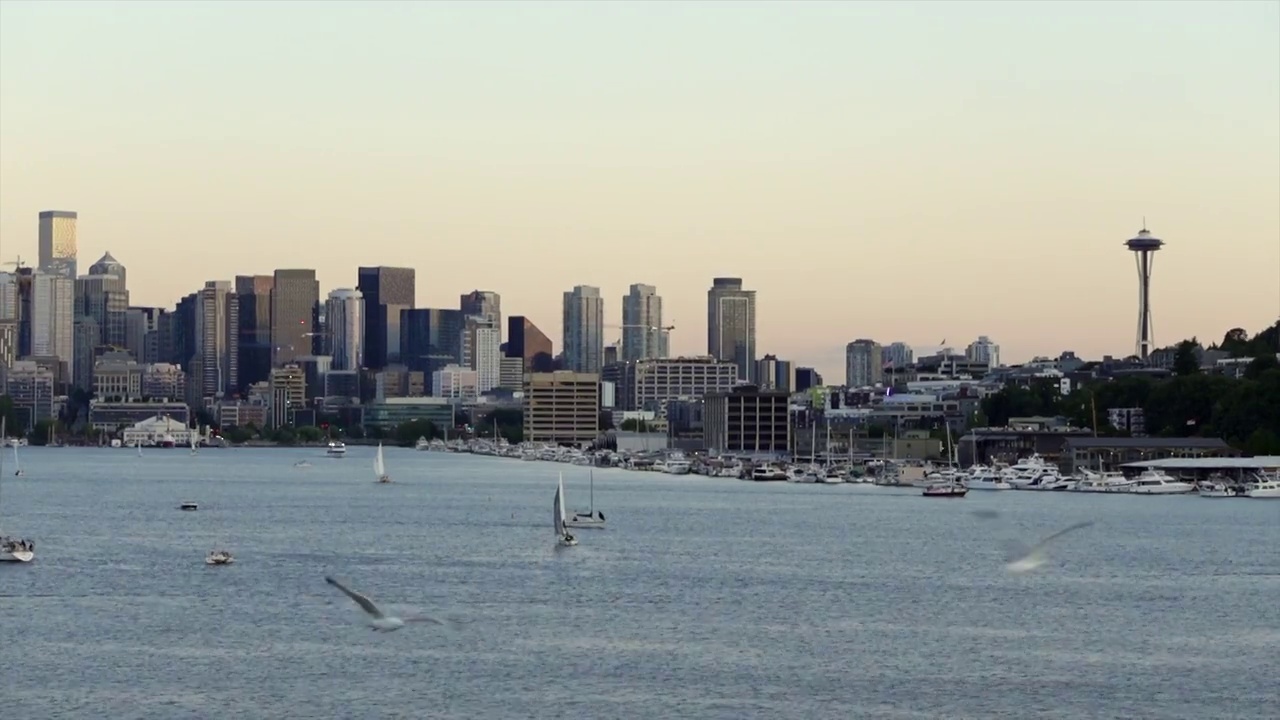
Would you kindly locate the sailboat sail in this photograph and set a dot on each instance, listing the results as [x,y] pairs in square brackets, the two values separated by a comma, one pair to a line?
[379,466]
[17,466]
[558,508]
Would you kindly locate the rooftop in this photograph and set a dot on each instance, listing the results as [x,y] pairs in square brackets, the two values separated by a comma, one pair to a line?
[1152,443]
[1262,462]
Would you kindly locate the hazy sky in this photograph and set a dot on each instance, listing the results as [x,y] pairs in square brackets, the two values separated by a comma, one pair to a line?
[897,171]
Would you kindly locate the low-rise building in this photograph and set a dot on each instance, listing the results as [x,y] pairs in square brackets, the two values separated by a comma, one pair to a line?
[747,420]
[388,414]
[561,407]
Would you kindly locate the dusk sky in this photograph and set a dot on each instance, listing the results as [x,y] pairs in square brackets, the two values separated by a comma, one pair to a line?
[895,171]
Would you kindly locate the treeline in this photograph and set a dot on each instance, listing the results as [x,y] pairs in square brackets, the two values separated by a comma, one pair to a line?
[1192,403]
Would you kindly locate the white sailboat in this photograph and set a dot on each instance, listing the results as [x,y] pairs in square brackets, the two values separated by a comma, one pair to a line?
[17,471]
[139,446]
[13,549]
[591,518]
[192,435]
[564,537]
[380,467]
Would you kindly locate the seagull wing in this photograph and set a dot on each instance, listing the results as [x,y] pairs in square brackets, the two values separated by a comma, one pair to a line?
[1072,528]
[365,603]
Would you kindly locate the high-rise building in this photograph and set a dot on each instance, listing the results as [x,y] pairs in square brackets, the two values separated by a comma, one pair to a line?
[527,342]
[58,243]
[485,304]
[387,291]
[178,340]
[482,345]
[731,325]
[430,338]
[642,333]
[898,356]
[344,321]
[561,407]
[583,329]
[294,296]
[863,364]
[217,361]
[8,297]
[455,381]
[142,333]
[775,374]
[53,319]
[104,296]
[254,297]
[984,351]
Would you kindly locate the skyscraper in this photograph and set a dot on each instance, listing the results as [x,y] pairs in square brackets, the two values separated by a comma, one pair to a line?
[58,243]
[103,296]
[294,296]
[863,364]
[583,329]
[898,356]
[481,347]
[984,351]
[485,304]
[253,294]
[387,291]
[526,341]
[217,359]
[142,333]
[344,318]
[731,325]
[53,319]
[430,338]
[642,334]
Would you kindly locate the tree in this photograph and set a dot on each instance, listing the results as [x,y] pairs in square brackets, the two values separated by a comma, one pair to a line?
[10,415]
[1235,342]
[1185,360]
[310,434]
[206,419]
[407,433]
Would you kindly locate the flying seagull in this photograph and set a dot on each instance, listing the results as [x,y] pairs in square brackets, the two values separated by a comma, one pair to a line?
[378,619]
[1024,559]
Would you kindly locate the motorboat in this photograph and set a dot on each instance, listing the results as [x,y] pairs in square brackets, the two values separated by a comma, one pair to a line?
[219,557]
[564,538]
[336,449]
[1263,487]
[188,506]
[984,478]
[13,549]
[422,445]
[768,473]
[302,464]
[1106,482]
[1216,486]
[946,488]
[678,466]
[1156,482]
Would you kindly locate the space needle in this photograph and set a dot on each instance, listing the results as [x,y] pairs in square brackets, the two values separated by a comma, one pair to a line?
[1144,247]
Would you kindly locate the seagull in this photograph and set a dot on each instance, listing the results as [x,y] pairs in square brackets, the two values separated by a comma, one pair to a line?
[1024,559]
[379,620]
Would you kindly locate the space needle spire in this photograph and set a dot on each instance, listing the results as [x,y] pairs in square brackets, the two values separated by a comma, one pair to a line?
[1144,247]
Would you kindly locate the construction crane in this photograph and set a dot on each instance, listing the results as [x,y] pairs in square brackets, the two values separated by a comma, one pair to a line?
[17,264]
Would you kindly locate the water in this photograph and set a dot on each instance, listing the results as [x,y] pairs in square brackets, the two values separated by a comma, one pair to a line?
[705,598]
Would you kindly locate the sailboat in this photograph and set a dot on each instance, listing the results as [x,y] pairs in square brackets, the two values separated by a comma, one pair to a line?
[13,549]
[563,536]
[17,465]
[590,519]
[192,435]
[380,467]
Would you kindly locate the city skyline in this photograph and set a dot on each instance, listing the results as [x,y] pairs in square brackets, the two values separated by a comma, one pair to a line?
[1015,202]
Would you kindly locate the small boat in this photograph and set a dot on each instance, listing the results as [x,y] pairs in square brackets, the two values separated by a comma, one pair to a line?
[1263,487]
[17,472]
[1215,488]
[945,489]
[423,444]
[563,537]
[195,449]
[380,467]
[336,449]
[219,557]
[591,518]
[13,549]
[302,464]
[188,506]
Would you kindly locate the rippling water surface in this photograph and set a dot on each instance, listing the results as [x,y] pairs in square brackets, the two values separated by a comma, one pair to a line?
[705,598]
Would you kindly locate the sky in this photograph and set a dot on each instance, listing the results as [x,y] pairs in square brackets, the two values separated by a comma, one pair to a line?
[896,171]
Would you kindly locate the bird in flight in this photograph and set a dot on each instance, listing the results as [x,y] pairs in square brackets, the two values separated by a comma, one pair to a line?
[378,620]
[1024,559]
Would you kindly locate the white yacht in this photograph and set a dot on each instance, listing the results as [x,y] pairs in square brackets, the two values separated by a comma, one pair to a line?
[678,465]
[1263,487]
[985,478]
[1106,482]
[804,474]
[422,445]
[336,449]
[768,473]
[1211,489]
[1156,482]
[564,538]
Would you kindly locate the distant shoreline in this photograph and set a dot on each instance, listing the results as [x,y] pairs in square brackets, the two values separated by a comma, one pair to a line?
[231,446]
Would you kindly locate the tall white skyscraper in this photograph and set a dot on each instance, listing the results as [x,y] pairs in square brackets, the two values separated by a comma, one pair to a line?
[863,364]
[485,341]
[53,318]
[731,325]
[58,243]
[984,351]
[642,335]
[583,329]
[217,360]
[8,297]
[344,316]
